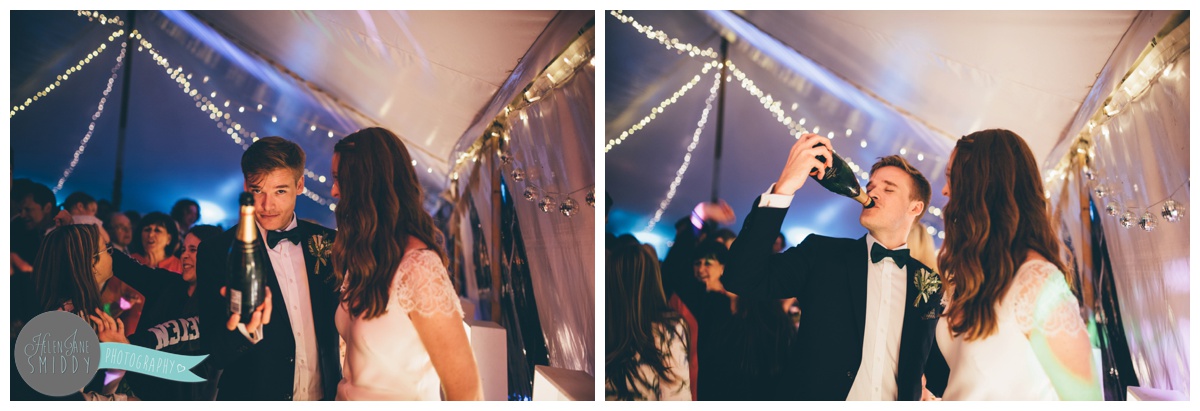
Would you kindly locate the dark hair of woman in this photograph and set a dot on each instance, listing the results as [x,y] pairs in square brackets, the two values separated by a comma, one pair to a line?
[205,232]
[993,219]
[637,321]
[65,269]
[711,249]
[181,206]
[378,211]
[158,219]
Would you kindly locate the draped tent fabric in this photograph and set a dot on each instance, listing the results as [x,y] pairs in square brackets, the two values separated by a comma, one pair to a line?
[1139,159]
[549,140]
[553,145]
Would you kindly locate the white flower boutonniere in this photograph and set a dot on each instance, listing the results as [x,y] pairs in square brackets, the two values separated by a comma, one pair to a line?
[927,283]
[320,247]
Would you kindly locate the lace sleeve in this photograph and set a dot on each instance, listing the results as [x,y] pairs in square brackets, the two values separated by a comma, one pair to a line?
[1048,313]
[1042,300]
[423,286]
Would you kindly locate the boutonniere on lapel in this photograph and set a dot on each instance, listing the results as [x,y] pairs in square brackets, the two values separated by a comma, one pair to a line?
[927,283]
[320,248]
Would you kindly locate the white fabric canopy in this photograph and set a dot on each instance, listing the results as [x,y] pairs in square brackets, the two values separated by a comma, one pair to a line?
[425,75]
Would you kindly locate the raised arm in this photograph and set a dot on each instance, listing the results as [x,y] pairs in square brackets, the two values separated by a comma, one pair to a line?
[677,274]
[150,281]
[1049,315]
[754,271]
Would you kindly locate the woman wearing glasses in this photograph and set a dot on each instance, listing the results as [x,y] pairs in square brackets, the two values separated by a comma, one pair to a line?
[72,265]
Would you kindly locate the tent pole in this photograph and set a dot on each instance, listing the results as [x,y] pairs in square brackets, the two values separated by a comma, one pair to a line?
[124,121]
[496,249]
[716,181]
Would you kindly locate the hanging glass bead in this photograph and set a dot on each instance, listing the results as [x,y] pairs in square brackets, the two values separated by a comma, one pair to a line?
[1126,219]
[530,193]
[518,175]
[1113,208]
[1100,191]
[1147,222]
[568,207]
[1172,211]
[591,198]
[547,203]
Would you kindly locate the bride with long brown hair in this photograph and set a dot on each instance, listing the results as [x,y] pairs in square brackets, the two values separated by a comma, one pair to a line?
[1012,328]
[399,314]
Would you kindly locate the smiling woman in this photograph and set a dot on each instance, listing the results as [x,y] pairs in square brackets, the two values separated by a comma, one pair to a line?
[156,239]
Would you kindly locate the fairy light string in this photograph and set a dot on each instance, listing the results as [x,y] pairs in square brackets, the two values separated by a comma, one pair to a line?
[92,126]
[687,158]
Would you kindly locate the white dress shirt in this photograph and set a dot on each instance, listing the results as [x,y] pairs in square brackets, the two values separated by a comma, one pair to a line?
[291,273]
[876,379]
[886,286]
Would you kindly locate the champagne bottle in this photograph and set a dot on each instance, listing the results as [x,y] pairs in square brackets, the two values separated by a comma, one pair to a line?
[246,264]
[840,180]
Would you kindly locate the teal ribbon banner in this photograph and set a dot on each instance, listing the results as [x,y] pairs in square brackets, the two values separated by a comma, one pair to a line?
[154,363]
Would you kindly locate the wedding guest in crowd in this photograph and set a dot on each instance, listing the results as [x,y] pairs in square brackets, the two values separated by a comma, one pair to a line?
[80,204]
[170,320]
[185,212]
[645,340]
[120,231]
[35,208]
[156,242]
[73,263]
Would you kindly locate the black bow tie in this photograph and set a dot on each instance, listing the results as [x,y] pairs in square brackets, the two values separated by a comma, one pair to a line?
[293,235]
[878,252]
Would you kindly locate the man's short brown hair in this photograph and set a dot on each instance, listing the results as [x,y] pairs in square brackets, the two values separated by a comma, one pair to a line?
[269,154]
[921,190]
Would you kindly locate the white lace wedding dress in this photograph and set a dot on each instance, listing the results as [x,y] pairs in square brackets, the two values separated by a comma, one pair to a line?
[1036,313]
[385,359]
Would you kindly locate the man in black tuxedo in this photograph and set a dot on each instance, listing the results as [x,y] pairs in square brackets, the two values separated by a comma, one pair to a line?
[866,329]
[289,351]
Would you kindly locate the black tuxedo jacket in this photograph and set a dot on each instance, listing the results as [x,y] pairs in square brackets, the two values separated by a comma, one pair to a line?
[828,276]
[265,371]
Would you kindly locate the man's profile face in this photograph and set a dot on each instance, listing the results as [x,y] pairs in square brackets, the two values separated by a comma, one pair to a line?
[122,230]
[33,213]
[275,195]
